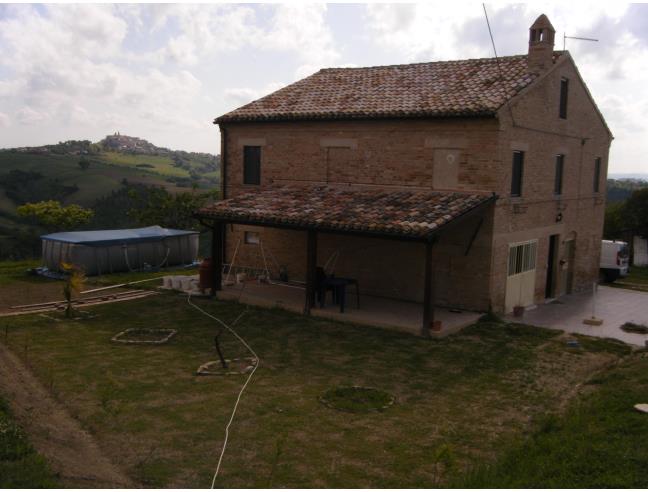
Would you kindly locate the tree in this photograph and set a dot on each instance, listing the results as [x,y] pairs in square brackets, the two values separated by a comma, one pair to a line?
[158,206]
[636,212]
[615,225]
[84,164]
[52,214]
[74,282]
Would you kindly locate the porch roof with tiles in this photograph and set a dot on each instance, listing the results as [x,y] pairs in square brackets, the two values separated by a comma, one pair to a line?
[409,214]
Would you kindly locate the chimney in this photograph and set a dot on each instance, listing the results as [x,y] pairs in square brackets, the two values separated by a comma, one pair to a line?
[541,44]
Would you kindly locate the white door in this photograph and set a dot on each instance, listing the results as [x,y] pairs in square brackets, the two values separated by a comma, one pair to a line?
[520,283]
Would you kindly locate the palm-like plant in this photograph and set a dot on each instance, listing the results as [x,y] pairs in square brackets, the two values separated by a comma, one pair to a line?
[74,283]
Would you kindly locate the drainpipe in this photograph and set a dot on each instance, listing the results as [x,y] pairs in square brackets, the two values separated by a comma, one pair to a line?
[223,159]
[223,163]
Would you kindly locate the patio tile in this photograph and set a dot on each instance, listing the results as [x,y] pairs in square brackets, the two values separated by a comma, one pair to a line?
[613,305]
[375,311]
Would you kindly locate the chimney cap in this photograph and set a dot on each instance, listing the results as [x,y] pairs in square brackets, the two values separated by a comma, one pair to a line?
[542,22]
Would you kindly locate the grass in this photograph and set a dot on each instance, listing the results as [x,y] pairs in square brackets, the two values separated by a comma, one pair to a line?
[12,271]
[460,400]
[20,465]
[598,443]
[637,279]
[105,174]
[17,287]
[356,399]
[162,164]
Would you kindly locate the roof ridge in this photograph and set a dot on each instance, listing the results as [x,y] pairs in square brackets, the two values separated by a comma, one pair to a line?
[399,65]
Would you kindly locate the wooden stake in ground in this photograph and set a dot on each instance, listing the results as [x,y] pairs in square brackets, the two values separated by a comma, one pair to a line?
[593,321]
[220,354]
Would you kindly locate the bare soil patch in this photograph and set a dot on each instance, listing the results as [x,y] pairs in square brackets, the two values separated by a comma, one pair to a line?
[71,452]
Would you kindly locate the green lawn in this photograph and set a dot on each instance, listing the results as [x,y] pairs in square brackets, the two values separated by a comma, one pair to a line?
[637,279]
[459,402]
[20,465]
[638,275]
[599,443]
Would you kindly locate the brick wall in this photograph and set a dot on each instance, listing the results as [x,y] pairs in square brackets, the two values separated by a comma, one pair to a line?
[462,154]
[383,267]
[380,153]
[533,126]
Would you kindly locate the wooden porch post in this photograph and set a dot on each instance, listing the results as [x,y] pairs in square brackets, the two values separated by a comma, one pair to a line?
[217,257]
[311,267]
[428,291]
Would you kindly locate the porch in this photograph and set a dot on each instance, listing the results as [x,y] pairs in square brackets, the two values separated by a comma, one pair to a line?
[420,218]
[374,311]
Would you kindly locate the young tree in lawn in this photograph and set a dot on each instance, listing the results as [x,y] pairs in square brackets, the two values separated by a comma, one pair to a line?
[74,282]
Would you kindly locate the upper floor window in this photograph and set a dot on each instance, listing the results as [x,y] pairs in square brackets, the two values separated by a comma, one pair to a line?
[516,177]
[558,180]
[597,174]
[564,91]
[251,165]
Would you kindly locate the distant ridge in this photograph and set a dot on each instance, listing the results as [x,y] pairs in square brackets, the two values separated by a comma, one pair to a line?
[641,176]
[111,143]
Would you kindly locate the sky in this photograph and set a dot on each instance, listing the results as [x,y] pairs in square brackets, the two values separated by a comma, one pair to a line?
[163,72]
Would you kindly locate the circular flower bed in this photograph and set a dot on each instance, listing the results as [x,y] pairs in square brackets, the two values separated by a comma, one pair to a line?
[234,366]
[357,399]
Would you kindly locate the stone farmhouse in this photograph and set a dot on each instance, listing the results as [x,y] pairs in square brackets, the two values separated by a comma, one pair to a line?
[469,184]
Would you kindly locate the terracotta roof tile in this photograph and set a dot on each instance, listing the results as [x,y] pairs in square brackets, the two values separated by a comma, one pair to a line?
[435,89]
[414,214]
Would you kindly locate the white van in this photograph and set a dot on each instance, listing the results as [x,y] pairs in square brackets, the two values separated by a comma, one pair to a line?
[614,260]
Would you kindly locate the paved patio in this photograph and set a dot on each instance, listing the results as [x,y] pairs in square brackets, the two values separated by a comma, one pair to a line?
[614,306]
[374,311]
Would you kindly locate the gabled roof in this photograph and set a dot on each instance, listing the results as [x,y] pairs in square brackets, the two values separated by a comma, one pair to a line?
[437,89]
[405,214]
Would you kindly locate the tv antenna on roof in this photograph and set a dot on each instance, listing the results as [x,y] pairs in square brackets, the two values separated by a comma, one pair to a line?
[565,38]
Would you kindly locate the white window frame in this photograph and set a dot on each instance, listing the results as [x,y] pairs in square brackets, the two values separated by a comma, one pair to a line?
[524,259]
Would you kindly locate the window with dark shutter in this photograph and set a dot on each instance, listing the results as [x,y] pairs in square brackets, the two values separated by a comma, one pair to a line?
[251,165]
[564,90]
[597,174]
[558,182]
[516,178]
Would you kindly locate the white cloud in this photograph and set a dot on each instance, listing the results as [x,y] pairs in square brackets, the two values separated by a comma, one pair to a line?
[164,71]
[29,116]
[238,96]
[206,30]
[302,28]
[423,31]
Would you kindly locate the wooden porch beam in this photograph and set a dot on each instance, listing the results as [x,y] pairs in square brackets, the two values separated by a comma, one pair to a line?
[428,291]
[217,233]
[311,267]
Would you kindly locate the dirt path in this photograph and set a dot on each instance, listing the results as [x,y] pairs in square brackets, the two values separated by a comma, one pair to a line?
[70,451]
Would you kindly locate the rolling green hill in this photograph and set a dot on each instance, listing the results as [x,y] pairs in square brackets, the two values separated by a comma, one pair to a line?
[86,173]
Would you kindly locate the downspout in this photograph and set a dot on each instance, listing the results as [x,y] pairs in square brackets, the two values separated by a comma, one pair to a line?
[223,163]
[223,159]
